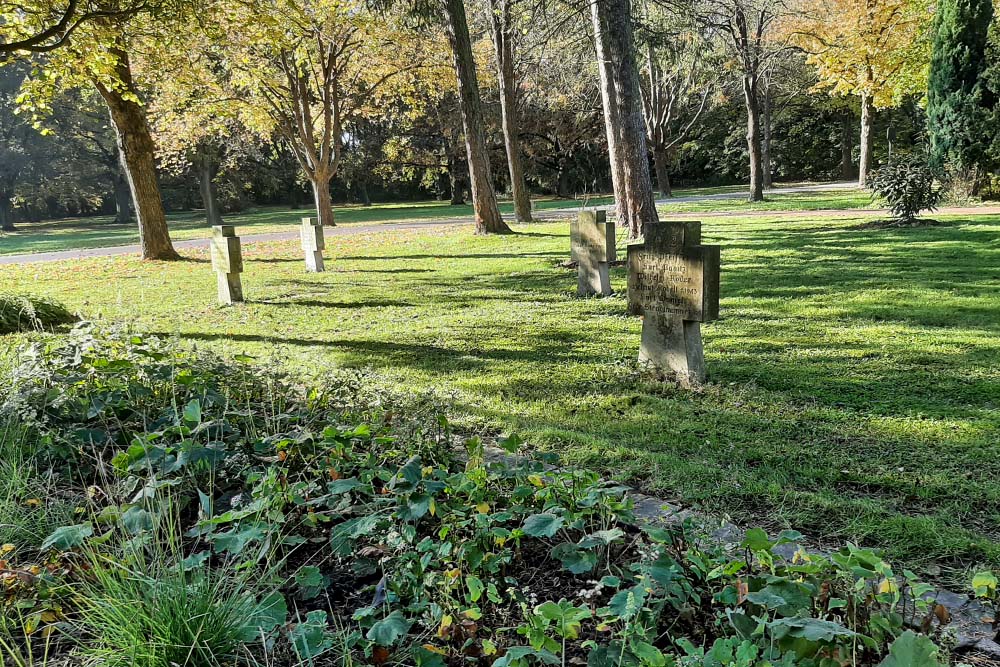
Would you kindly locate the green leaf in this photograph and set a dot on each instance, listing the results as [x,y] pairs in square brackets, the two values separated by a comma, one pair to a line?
[67,537]
[984,584]
[912,650]
[574,559]
[192,412]
[343,485]
[756,540]
[542,525]
[309,637]
[137,520]
[310,581]
[389,630]
[270,613]
[476,588]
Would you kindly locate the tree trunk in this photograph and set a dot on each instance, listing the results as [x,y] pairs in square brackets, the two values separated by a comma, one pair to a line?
[207,186]
[6,213]
[613,28]
[321,194]
[135,144]
[765,144]
[123,198]
[753,137]
[846,146]
[864,163]
[484,200]
[608,96]
[502,35]
[363,195]
[660,162]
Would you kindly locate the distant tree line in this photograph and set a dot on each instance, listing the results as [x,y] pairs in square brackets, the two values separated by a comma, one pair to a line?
[132,110]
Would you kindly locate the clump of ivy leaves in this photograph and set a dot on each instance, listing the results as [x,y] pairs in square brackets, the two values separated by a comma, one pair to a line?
[371,538]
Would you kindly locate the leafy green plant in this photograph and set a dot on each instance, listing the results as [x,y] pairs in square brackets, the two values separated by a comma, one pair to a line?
[24,312]
[907,186]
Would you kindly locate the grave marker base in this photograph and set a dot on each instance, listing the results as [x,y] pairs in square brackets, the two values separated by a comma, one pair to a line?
[674,344]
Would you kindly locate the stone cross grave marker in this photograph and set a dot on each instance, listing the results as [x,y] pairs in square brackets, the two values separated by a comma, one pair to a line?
[673,282]
[592,247]
[227,260]
[313,243]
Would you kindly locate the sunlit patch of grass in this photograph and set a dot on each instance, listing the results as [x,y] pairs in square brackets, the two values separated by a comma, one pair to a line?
[855,375]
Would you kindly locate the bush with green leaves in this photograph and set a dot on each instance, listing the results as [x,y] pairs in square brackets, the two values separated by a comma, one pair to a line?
[24,312]
[372,540]
[907,186]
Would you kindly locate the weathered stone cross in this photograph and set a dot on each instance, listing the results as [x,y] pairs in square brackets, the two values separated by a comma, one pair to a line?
[673,282]
[313,244]
[227,260]
[592,247]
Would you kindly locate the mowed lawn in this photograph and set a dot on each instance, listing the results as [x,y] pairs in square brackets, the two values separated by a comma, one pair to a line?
[855,375]
[98,232]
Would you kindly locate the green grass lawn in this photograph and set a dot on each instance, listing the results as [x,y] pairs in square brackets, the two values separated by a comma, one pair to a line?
[98,232]
[855,375]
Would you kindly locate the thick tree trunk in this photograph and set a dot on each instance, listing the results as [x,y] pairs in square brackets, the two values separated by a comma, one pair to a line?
[6,213]
[124,212]
[613,28]
[846,146]
[209,199]
[753,138]
[660,163]
[765,142]
[135,143]
[484,200]
[502,34]
[864,163]
[321,195]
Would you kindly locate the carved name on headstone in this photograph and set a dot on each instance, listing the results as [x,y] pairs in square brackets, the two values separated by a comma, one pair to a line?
[592,247]
[313,244]
[227,261]
[673,282]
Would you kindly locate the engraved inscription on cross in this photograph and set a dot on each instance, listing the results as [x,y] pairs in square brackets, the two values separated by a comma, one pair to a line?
[673,282]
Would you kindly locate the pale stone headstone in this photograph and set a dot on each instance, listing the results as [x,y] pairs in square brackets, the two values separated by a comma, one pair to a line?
[592,247]
[227,260]
[313,244]
[673,282]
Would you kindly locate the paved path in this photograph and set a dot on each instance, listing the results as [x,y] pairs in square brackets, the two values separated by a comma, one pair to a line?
[353,230]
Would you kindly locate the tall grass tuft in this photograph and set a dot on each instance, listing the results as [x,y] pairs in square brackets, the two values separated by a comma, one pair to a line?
[30,505]
[165,617]
[21,312]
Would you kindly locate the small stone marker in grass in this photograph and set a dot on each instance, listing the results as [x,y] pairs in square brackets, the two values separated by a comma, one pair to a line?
[227,260]
[592,247]
[313,243]
[673,282]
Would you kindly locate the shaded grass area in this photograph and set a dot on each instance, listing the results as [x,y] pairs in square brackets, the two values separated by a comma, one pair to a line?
[855,377]
[100,231]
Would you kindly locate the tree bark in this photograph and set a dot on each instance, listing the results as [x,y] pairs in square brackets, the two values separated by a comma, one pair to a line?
[135,144]
[484,200]
[320,181]
[123,198]
[864,163]
[660,163]
[500,23]
[608,95]
[614,33]
[846,146]
[6,213]
[753,137]
[207,186]
[765,143]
